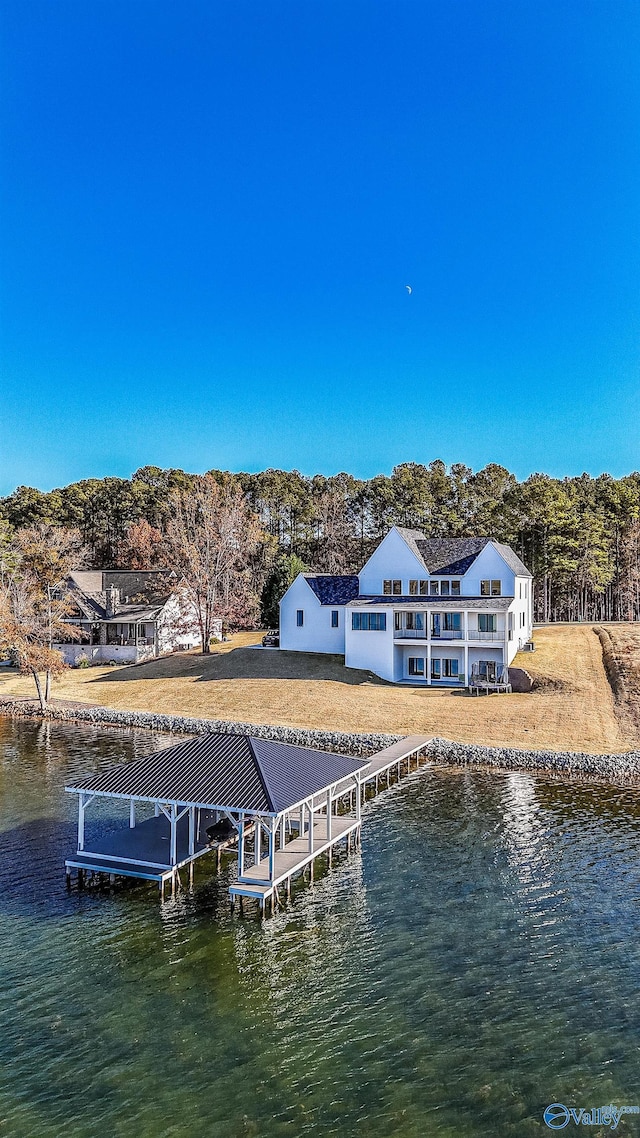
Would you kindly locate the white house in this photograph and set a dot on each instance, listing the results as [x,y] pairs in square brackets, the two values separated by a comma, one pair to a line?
[126,616]
[422,610]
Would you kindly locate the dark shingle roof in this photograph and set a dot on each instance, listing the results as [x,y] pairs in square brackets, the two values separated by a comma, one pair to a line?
[332,590]
[512,560]
[454,556]
[491,604]
[236,772]
[450,555]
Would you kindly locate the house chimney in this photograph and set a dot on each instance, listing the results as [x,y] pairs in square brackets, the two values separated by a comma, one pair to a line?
[112,601]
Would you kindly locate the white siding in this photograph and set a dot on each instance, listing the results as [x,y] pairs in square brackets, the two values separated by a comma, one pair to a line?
[391,560]
[489,565]
[316,633]
[371,649]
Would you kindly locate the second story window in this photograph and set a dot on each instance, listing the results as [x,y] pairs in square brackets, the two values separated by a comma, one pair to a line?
[491,588]
[487,622]
[435,588]
[299,617]
[418,588]
[392,588]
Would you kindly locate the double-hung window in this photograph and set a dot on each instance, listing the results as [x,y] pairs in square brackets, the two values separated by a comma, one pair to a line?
[418,588]
[491,588]
[392,588]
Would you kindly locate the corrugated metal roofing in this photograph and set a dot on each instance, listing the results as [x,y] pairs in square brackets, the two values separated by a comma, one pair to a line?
[333,590]
[293,773]
[238,772]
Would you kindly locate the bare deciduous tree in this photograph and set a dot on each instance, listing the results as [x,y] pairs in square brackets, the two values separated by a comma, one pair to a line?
[211,538]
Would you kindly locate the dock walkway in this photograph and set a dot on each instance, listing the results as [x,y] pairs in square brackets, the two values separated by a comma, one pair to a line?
[293,858]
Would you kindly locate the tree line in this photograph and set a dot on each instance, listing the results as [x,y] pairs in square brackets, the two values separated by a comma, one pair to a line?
[580,537]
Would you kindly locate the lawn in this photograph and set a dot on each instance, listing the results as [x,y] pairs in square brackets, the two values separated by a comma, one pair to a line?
[571,708]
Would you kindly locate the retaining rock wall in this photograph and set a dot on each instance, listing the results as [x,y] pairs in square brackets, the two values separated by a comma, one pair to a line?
[612,768]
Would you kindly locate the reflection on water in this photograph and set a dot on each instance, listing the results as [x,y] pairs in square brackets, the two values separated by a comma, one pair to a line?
[475,961]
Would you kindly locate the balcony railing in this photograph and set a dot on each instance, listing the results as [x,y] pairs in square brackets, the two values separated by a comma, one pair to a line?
[447,634]
[476,634]
[410,633]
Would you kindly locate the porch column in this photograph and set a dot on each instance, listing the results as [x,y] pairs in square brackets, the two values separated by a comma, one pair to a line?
[329,814]
[132,813]
[429,659]
[257,834]
[241,847]
[173,857]
[358,796]
[301,829]
[282,831]
[466,647]
[310,808]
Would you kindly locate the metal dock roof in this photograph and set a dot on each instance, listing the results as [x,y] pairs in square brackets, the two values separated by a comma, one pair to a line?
[236,772]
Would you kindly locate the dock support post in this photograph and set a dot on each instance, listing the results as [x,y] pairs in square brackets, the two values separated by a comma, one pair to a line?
[192,830]
[132,814]
[310,808]
[173,855]
[241,848]
[273,825]
[156,809]
[329,814]
[257,833]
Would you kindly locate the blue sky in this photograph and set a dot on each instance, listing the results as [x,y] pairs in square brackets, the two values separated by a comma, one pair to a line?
[210,212]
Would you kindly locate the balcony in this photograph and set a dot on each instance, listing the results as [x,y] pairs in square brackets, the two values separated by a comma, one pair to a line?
[410,634]
[447,634]
[487,637]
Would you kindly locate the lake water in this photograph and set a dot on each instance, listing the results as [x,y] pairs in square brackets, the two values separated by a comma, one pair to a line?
[477,960]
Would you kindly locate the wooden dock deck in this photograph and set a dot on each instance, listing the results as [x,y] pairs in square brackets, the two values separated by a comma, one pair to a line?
[293,858]
[394,757]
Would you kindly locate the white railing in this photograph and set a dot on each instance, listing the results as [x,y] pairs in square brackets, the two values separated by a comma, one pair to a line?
[476,634]
[447,634]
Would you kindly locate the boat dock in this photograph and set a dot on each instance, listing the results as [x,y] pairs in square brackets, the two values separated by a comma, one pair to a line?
[280,806]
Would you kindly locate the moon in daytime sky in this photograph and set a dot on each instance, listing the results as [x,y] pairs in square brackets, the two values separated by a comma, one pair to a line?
[409,289]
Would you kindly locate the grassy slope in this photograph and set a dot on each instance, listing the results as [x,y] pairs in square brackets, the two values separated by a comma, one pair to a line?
[572,709]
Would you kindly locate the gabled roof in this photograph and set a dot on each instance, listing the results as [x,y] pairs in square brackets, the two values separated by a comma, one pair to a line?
[333,590]
[235,772]
[454,556]
[512,560]
[151,589]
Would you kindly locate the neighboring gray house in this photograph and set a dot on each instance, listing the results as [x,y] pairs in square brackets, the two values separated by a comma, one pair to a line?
[128,615]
